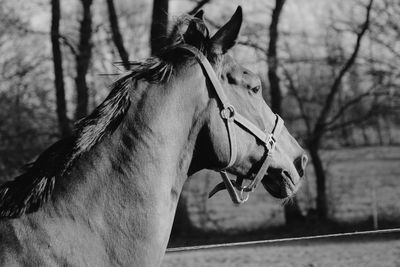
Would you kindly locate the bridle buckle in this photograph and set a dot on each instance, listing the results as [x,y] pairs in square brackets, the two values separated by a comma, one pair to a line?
[271,142]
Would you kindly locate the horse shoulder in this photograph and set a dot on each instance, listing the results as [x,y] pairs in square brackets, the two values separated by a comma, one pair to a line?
[18,245]
[33,240]
[10,246]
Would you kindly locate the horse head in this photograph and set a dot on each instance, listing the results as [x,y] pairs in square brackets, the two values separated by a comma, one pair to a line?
[241,135]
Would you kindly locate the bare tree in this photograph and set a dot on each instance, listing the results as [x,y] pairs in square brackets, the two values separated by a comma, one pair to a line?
[326,121]
[83,56]
[63,121]
[116,34]
[292,210]
[159,25]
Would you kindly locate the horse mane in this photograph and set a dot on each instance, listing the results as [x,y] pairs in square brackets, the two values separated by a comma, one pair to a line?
[27,192]
[30,190]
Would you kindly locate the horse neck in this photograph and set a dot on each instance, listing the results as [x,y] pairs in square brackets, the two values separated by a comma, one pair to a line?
[131,182]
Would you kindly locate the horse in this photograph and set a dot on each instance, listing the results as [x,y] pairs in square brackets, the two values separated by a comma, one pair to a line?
[106,195]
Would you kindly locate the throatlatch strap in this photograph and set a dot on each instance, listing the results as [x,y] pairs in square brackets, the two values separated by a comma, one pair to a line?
[232,143]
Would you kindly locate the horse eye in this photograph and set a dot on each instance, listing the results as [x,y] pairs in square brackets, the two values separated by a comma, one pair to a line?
[256,89]
[230,78]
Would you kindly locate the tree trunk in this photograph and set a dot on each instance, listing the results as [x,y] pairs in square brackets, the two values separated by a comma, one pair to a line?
[63,122]
[272,59]
[321,126]
[116,34]
[182,223]
[378,126]
[158,36]
[322,207]
[292,211]
[365,135]
[159,25]
[386,122]
[83,60]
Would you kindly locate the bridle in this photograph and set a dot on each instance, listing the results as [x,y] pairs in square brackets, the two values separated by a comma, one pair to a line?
[238,193]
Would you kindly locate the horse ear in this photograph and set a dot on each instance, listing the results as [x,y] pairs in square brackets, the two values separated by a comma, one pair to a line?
[225,38]
[195,33]
[199,14]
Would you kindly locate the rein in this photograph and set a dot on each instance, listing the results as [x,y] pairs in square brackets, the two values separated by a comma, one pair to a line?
[238,193]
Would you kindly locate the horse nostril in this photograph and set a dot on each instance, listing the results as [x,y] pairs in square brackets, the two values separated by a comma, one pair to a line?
[300,164]
[304,161]
[256,88]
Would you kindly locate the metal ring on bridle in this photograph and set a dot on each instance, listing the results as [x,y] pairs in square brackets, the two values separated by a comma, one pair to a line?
[228,113]
[242,192]
[247,189]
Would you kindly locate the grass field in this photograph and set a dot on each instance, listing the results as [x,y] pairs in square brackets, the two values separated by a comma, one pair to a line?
[358,179]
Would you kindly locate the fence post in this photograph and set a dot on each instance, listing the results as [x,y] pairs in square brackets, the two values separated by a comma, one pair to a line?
[374,207]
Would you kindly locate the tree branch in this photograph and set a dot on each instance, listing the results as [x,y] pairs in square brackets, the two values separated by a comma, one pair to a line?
[198,6]
[295,93]
[320,124]
[68,43]
[358,120]
[372,112]
[349,104]
[253,45]
[116,35]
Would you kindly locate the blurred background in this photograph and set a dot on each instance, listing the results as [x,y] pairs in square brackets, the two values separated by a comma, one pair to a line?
[331,68]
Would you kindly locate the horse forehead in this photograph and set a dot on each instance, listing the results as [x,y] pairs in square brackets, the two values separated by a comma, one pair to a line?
[229,64]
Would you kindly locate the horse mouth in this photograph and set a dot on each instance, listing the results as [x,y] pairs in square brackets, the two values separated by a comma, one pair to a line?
[279,183]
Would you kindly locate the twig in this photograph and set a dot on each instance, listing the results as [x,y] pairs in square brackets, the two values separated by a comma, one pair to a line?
[198,6]
[294,91]
[320,124]
[68,43]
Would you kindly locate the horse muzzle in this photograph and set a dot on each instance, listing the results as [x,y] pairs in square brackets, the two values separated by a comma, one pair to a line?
[281,183]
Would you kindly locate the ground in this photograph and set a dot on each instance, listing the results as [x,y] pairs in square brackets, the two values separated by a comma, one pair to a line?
[375,251]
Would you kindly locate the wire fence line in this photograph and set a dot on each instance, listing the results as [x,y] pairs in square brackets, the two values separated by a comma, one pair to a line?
[277,241]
